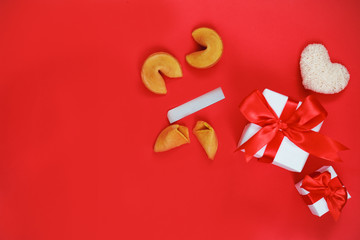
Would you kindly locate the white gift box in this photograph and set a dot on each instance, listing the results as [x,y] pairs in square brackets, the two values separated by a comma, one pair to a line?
[320,207]
[288,156]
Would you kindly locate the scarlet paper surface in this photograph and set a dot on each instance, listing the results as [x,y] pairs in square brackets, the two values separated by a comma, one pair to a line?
[77,126]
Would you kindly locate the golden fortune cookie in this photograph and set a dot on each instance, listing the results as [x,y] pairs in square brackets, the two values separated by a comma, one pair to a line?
[208,57]
[171,137]
[207,138]
[157,64]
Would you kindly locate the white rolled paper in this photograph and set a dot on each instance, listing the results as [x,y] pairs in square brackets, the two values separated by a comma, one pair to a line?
[195,105]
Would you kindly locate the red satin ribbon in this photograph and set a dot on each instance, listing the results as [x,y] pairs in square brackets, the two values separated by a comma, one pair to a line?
[274,144]
[320,185]
[294,124]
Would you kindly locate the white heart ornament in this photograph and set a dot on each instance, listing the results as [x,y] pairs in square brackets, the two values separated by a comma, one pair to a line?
[319,74]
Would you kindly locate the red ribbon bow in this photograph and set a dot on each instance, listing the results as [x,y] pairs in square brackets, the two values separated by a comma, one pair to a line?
[320,186]
[295,124]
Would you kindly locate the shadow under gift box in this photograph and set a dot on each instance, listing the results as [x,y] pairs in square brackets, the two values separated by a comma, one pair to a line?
[288,156]
[320,207]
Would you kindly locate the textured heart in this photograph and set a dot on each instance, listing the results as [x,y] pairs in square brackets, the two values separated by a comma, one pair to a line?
[319,74]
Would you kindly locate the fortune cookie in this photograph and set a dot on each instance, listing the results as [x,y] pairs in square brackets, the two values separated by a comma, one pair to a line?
[157,64]
[208,57]
[171,137]
[207,138]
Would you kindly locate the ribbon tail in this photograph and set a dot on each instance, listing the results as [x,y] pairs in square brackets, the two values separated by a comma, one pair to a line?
[334,210]
[317,144]
[258,141]
[248,157]
[335,213]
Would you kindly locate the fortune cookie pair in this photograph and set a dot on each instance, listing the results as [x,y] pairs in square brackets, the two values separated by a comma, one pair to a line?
[166,64]
[176,135]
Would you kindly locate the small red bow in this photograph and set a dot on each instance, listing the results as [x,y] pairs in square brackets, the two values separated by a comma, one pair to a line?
[322,186]
[296,125]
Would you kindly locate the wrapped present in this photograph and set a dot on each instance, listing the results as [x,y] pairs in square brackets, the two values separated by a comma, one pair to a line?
[284,132]
[323,192]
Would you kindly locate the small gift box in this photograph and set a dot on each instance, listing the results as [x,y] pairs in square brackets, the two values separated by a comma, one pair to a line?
[283,131]
[323,192]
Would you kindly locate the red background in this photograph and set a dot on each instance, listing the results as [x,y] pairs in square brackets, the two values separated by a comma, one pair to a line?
[77,126]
